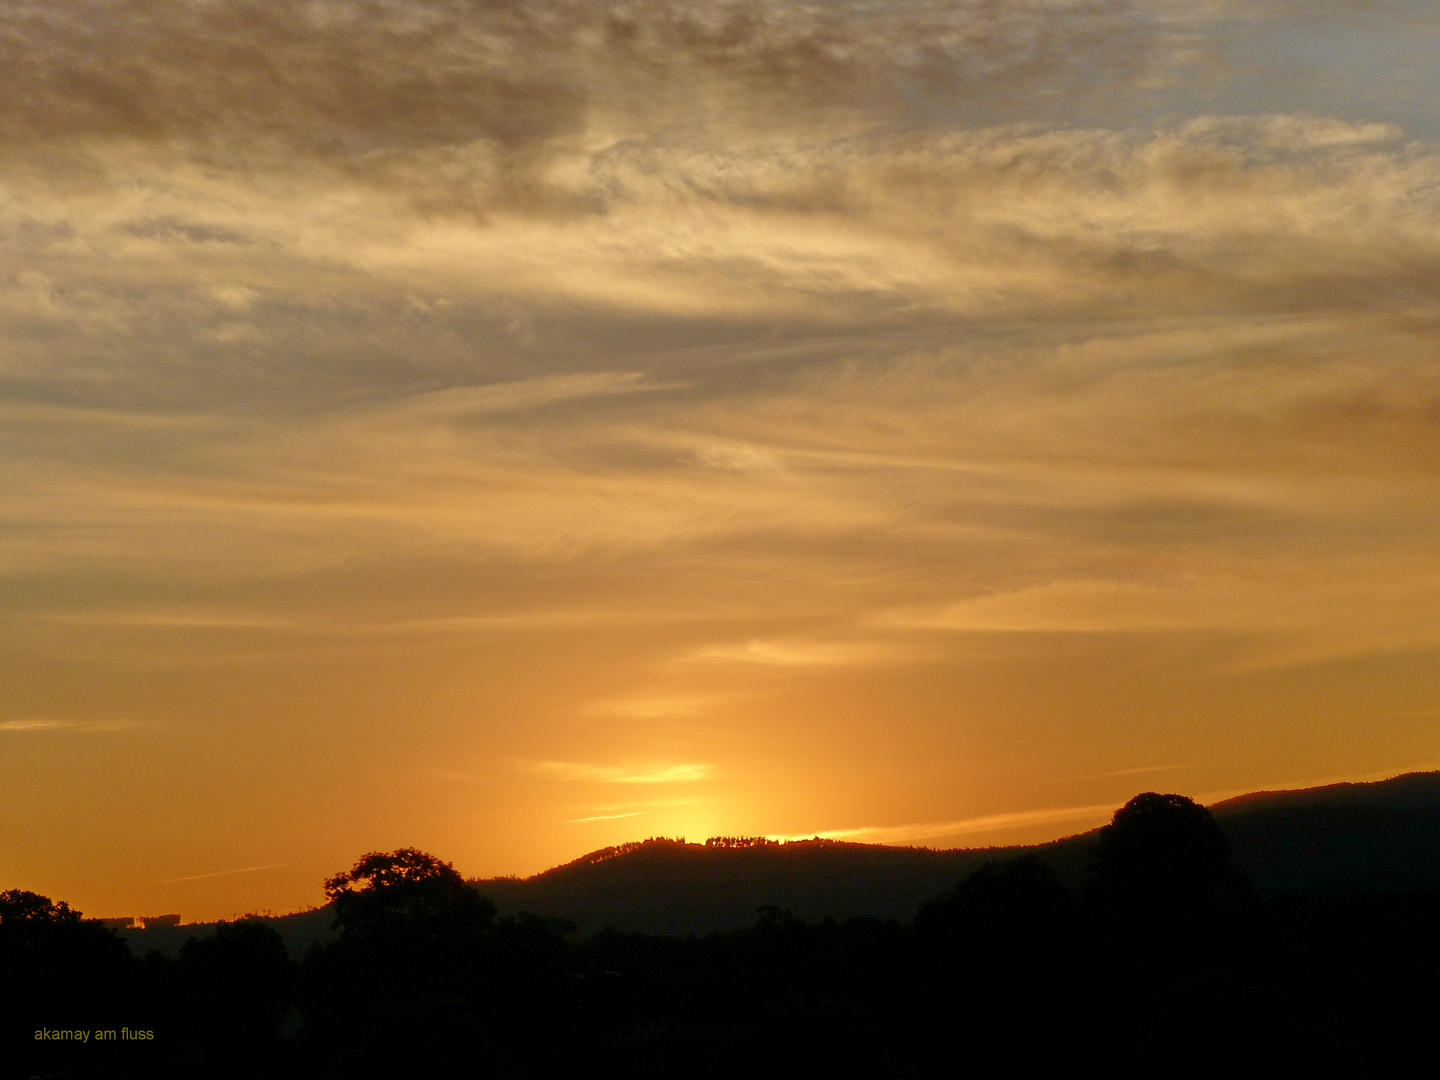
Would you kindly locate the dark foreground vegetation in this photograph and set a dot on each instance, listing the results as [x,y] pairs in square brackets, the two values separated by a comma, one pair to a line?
[1164,962]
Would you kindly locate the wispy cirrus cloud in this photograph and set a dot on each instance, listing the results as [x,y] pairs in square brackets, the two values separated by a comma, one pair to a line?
[220,873]
[37,724]
[658,707]
[792,652]
[1136,771]
[457,403]
[934,830]
[521,74]
[657,773]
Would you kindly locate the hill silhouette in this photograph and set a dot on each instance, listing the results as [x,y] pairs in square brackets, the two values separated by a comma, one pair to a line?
[1333,841]
[1341,839]
[667,886]
[1337,840]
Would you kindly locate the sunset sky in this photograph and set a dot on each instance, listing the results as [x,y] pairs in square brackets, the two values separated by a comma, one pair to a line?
[514,428]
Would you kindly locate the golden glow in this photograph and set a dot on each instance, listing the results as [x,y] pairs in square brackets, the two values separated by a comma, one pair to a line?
[873,425]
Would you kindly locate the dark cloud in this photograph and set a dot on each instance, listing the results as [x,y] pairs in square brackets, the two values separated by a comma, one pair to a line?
[344,79]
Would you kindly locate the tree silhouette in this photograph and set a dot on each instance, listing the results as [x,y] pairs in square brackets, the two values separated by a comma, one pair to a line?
[380,870]
[1166,901]
[58,969]
[1162,851]
[405,892]
[18,905]
[410,972]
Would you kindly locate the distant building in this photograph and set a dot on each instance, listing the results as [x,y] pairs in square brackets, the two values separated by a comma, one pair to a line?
[129,922]
[149,922]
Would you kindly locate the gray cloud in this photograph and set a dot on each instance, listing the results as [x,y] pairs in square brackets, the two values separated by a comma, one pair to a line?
[347,197]
[333,77]
[347,80]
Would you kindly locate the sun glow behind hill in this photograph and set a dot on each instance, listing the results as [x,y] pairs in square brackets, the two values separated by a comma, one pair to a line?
[528,426]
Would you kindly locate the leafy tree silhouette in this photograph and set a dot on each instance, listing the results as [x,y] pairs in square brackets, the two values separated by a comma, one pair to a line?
[17,906]
[1169,906]
[1162,853]
[59,970]
[398,993]
[405,892]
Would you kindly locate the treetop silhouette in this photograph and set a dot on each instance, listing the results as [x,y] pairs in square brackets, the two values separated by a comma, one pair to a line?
[18,905]
[386,869]
[1162,849]
[404,891]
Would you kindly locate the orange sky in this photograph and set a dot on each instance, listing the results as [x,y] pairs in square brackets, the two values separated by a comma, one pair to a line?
[518,430]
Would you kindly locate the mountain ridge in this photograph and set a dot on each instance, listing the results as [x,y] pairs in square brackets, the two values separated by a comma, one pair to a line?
[1364,837]
[1333,840]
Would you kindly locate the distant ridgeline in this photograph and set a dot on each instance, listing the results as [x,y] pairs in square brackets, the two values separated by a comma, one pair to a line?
[142,922]
[1328,841]
[1341,839]
[299,931]
[1338,840]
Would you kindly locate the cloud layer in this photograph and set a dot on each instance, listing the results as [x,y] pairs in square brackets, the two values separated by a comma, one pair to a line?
[838,395]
